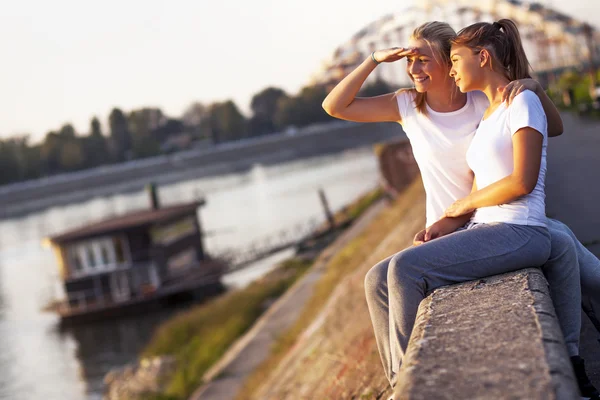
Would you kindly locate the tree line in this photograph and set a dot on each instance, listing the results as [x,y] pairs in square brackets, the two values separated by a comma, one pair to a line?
[148,132]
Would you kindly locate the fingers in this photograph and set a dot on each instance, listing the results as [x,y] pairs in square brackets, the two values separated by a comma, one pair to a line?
[505,91]
[419,238]
[510,91]
[411,51]
[519,88]
[451,213]
[430,235]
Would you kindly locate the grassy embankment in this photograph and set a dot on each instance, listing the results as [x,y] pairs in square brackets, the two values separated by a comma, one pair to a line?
[339,267]
[200,336]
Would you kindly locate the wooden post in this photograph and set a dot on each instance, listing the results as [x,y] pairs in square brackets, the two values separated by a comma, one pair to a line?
[153,196]
[326,209]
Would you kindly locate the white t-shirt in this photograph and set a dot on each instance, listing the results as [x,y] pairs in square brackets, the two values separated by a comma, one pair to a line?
[440,142]
[490,156]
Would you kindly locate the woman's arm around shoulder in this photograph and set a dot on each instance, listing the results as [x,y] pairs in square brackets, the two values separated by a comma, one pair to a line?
[510,91]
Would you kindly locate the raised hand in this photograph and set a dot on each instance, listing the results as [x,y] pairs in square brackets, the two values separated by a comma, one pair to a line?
[394,54]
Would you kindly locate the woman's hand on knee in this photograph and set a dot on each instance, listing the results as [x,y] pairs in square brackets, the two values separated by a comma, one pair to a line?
[443,227]
[419,238]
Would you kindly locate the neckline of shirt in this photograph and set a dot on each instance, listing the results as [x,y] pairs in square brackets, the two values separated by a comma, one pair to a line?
[451,113]
[501,105]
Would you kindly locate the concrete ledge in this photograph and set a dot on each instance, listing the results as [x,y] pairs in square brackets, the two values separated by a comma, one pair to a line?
[496,338]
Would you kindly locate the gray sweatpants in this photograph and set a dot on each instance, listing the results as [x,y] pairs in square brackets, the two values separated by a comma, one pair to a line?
[396,286]
[589,271]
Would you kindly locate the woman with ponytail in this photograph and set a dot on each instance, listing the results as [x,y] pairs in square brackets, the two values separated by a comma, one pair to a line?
[440,123]
[508,154]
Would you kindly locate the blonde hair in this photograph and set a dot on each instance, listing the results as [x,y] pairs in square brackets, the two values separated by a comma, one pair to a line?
[438,36]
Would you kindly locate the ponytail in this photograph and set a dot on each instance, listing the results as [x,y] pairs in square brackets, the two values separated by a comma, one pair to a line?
[503,41]
[516,63]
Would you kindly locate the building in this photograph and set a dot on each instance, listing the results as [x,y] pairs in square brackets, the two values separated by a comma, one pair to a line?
[553,41]
[131,260]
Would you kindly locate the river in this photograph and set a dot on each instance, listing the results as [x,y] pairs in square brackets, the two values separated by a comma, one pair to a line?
[40,361]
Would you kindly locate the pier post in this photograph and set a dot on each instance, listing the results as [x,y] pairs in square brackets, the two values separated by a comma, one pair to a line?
[326,209]
[153,196]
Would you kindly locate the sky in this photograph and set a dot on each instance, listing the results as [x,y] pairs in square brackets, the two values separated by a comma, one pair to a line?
[66,61]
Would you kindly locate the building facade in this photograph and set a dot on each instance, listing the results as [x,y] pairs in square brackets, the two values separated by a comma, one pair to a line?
[554,42]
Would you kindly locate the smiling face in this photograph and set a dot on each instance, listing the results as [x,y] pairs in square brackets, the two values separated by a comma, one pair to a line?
[466,68]
[426,69]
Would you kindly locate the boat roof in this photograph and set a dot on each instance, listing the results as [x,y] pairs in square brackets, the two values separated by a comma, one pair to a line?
[127,221]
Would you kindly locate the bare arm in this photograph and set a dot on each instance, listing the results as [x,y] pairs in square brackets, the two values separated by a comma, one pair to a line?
[444,225]
[342,102]
[555,124]
[527,155]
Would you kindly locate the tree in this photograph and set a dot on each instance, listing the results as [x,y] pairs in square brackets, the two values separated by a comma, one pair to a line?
[9,162]
[94,146]
[70,149]
[67,132]
[120,135]
[303,109]
[71,155]
[226,122]
[50,153]
[195,118]
[172,126]
[95,127]
[142,124]
[264,107]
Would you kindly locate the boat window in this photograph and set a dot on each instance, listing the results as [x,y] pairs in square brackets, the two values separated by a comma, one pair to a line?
[104,254]
[76,261]
[119,252]
[91,260]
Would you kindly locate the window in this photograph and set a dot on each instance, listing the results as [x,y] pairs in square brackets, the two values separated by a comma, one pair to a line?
[119,251]
[104,254]
[77,264]
[97,255]
[173,232]
[89,253]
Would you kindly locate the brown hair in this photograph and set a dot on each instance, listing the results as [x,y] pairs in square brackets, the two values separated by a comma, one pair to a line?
[438,36]
[502,40]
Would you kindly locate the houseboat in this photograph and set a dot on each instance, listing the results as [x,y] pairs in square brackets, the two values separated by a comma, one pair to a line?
[129,262]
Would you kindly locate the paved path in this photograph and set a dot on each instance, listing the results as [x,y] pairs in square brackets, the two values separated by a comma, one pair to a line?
[573,196]
[246,354]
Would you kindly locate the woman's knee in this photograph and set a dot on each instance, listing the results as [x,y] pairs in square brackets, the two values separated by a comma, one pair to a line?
[376,276]
[402,266]
[562,246]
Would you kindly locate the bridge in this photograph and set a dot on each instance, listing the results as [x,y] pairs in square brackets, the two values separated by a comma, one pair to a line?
[292,236]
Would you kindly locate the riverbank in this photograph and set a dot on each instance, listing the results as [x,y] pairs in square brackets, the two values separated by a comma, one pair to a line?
[221,160]
[330,351]
[193,341]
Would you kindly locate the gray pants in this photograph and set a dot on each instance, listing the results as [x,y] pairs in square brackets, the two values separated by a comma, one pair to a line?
[589,270]
[396,286]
